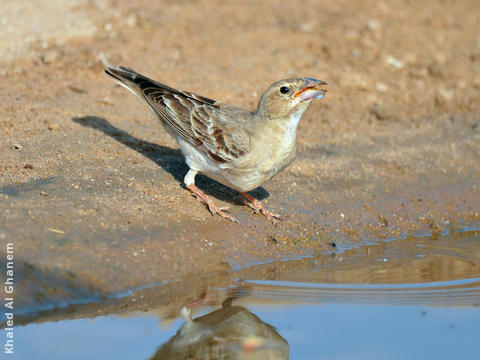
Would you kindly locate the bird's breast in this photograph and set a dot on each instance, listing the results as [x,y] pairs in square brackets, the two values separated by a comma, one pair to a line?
[275,153]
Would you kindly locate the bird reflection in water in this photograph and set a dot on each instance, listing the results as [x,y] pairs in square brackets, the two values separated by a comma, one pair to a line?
[231,332]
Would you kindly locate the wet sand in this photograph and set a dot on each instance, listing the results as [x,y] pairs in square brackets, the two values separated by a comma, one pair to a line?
[415,271]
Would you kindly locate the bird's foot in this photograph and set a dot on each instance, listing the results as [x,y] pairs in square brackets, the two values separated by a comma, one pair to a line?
[214,209]
[257,206]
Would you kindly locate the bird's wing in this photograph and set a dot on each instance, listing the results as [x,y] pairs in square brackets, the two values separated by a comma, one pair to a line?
[214,129]
[201,122]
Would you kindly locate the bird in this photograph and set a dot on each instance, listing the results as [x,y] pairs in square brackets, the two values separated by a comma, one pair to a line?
[238,148]
[231,332]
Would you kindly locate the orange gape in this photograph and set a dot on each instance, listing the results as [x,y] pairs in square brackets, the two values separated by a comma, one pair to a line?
[303,90]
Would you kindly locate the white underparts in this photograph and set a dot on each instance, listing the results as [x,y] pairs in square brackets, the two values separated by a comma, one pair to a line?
[292,124]
[189,179]
[126,87]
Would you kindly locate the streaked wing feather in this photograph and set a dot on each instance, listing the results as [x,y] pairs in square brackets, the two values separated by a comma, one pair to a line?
[155,99]
[195,119]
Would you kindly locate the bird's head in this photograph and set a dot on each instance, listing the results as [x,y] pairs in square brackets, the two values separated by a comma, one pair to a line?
[290,97]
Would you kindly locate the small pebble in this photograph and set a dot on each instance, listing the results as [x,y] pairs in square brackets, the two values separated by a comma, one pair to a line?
[53,127]
[381,87]
[49,56]
[397,64]
[132,20]
[475,56]
[381,113]
[435,70]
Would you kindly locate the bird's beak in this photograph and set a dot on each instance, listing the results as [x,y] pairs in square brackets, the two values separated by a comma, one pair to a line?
[311,89]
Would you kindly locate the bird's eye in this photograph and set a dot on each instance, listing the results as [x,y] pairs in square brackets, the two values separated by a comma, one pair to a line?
[284,89]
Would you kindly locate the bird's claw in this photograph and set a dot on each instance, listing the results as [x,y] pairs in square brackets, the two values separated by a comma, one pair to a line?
[221,211]
[214,209]
[271,216]
[258,208]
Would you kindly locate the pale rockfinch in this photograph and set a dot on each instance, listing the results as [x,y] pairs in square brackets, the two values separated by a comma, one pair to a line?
[236,147]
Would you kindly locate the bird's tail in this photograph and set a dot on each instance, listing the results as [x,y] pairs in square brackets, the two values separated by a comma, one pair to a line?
[128,78]
[135,82]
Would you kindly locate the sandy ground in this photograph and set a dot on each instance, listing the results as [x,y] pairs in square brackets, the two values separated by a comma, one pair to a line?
[91,188]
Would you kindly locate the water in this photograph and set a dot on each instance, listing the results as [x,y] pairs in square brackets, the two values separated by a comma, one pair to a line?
[330,331]
[416,298]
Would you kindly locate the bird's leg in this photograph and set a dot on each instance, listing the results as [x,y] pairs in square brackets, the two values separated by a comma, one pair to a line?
[257,206]
[208,296]
[214,209]
[186,310]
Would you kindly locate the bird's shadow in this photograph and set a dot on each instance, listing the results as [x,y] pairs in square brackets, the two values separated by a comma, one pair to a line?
[170,160]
